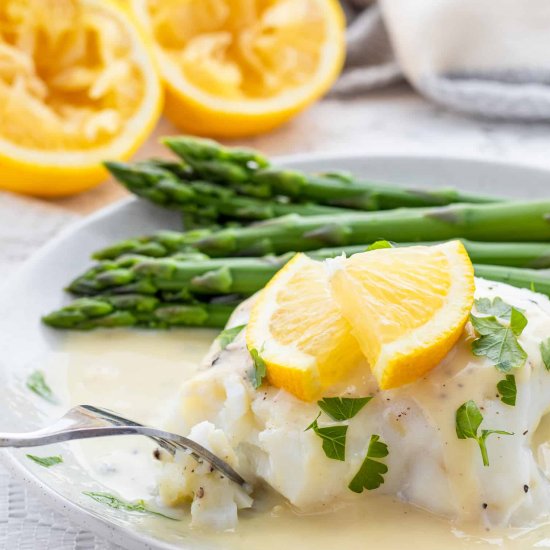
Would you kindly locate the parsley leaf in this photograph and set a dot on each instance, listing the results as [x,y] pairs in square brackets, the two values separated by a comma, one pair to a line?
[545,353]
[37,383]
[498,307]
[518,321]
[498,342]
[507,389]
[377,245]
[468,419]
[46,461]
[334,439]
[120,504]
[371,473]
[260,368]
[342,408]
[314,424]
[227,336]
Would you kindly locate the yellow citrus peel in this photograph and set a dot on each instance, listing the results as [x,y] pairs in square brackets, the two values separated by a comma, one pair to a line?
[242,67]
[78,85]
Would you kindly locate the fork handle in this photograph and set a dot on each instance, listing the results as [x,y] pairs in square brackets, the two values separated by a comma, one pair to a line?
[38,438]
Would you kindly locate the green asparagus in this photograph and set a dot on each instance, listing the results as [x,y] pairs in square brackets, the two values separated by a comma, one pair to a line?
[342,190]
[142,275]
[195,274]
[149,312]
[160,244]
[209,200]
[499,222]
[136,311]
[538,281]
[518,221]
[251,175]
[525,255]
[213,162]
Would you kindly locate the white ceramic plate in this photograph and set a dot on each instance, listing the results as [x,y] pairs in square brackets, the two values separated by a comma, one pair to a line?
[25,344]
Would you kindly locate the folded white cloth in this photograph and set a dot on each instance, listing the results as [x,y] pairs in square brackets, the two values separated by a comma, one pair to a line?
[485,57]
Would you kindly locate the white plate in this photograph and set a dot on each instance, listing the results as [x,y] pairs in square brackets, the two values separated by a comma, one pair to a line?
[25,343]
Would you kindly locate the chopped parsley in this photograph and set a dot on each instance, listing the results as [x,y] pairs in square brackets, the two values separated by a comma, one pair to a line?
[342,408]
[46,461]
[508,390]
[339,409]
[228,335]
[545,353]
[260,368]
[371,473]
[120,504]
[499,342]
[334,439]
[37,384]
[377,245]
[497,307]
[468,420]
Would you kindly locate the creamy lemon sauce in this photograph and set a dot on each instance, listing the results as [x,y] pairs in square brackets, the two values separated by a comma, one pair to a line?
[138,374]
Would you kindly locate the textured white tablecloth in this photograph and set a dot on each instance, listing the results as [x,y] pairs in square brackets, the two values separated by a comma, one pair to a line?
[395,121]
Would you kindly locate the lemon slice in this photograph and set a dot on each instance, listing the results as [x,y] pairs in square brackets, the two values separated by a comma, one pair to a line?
[298,330]
[407,306]
[241,67]
[77,86]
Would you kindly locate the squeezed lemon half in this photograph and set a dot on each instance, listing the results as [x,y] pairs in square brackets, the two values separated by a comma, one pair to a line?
[241,67]
[77,85]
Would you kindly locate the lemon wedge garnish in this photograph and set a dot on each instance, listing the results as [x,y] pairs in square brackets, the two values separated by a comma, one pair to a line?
[297,328]
[78,85]
[407,306]
[241,67]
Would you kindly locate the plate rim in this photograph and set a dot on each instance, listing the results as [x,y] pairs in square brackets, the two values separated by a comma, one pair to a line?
[89,519]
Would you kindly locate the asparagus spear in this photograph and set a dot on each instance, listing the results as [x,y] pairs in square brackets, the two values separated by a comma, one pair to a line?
[212,161]
[339,189]
[160,244]
[194,275]
[499,222]
[526,254]
[209,200]
[148,311]
[518,221]
[136,311]
[143,275]
[538,281]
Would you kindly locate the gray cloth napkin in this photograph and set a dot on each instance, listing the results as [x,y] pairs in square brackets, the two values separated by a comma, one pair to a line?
[486,58]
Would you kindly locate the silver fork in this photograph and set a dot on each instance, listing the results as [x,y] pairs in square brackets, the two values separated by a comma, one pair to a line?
[86,421]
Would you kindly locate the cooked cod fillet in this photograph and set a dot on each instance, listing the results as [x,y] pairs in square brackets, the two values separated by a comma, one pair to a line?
[262,434]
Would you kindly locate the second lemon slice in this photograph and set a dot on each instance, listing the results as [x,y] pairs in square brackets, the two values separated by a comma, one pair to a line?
[298,329]
[407,306]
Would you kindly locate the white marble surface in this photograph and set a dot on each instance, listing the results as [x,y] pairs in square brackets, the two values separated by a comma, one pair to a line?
[389,121]
[397,120]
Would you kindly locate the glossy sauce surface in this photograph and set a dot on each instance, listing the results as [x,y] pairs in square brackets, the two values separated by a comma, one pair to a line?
[138,375]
